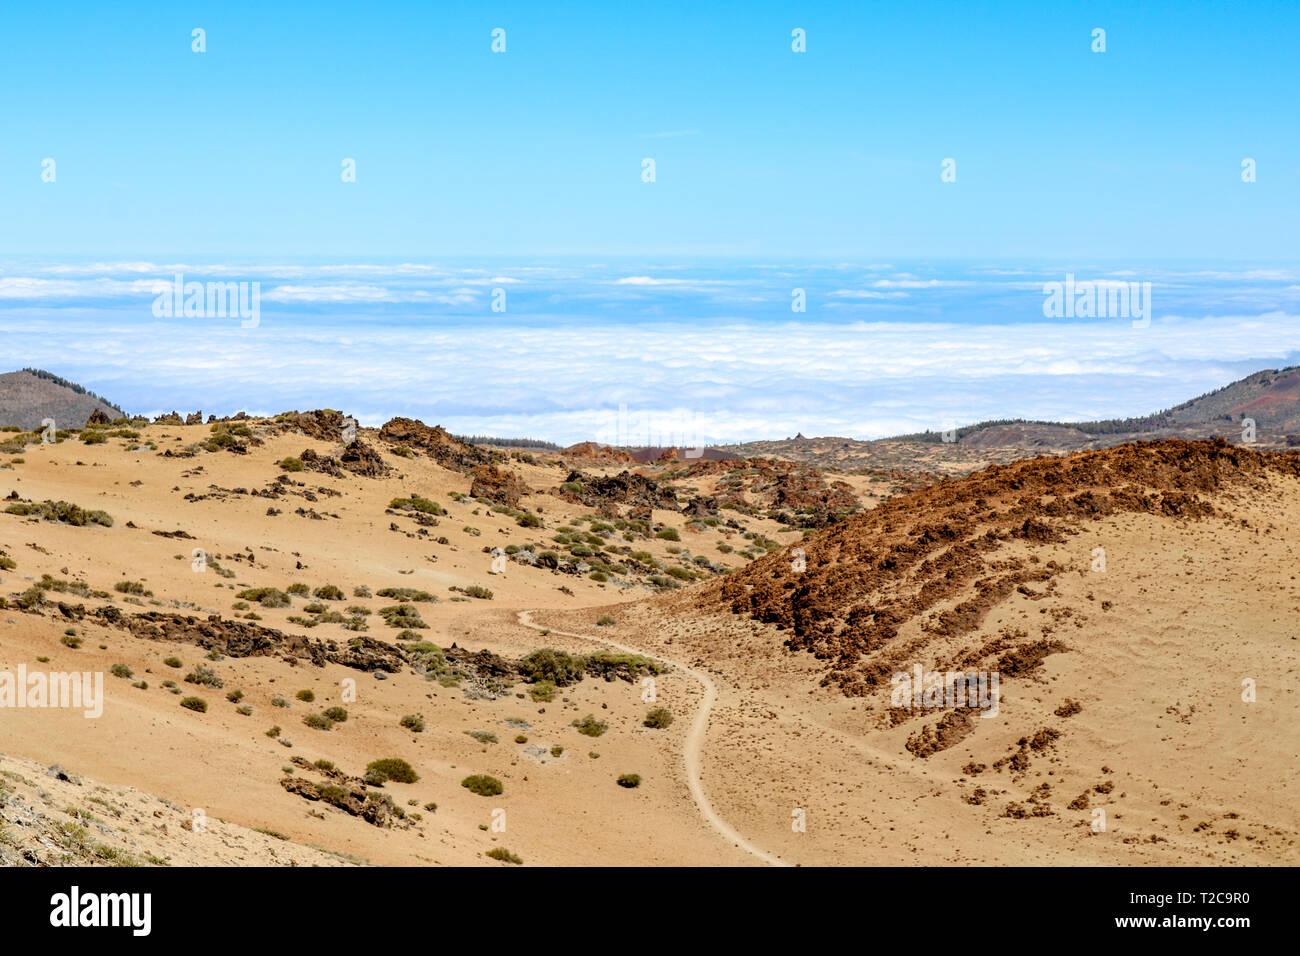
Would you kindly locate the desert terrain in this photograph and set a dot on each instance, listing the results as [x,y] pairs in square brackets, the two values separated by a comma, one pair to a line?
[586,659]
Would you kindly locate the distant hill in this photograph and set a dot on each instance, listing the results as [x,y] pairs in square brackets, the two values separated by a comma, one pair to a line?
[1270,397]
[32,395]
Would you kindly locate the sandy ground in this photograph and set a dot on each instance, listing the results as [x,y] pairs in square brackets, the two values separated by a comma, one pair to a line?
[1188,773]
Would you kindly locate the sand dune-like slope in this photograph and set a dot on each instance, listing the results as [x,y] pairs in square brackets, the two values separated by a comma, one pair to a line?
[1122,596]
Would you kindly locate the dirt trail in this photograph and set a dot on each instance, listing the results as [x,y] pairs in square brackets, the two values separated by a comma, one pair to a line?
[694,739]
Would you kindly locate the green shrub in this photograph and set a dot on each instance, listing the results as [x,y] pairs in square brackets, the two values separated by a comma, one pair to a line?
[121,670]
[483,785]
[502,854]
[658,718]
[291,464]
[306,696]
[267,597]
[337,714]
[416,503]
[403,616]
[395,769]
[172,661]
[196,704]
[406,594]
[475,591]
[204,676]
[549,664]
[414,723]
[605,621]
[590,726]
[630,780]
[318,722]
[328,592]
[669,534]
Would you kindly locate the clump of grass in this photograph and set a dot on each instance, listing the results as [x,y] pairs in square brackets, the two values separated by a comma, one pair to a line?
[337,714]
[402,616]
[658,718]
[204,676]
[70,641]
[328,592]
[416,503]
[306,696]
[172,661]
[318,722]
[483,736]
[557,750]
[121,670]
[590,726]
[267,597]
[504,855]
[630,780]
[197,704]
[543,691]
[413,723]
[555,666]
[406,594]
[393,768]
[132,587]
[477,591]
[605,621]
[483,785]
[291,464]
[63,512]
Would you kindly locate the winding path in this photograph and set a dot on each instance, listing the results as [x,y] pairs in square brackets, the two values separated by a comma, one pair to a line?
[694,738]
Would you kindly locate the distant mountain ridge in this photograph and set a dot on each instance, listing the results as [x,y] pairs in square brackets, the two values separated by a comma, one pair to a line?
[30,396]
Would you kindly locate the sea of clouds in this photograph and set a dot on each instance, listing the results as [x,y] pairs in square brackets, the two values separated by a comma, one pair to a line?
[640,351]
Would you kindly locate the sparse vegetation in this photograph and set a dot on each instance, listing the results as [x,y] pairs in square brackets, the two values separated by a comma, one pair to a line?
[483,785]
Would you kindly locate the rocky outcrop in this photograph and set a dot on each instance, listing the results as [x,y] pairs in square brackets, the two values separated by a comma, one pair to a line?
[497,484]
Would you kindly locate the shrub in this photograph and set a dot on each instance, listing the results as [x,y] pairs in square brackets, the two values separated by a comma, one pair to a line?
[132,587]
[406,594]
[556,750]
[235,696]
[267,597]
[291,464]
[121,670]
[605,621]
[669,534]
[172,661]
[298,588]
[549,664]
[483,785]
[590,726]
[395,769]
[306,696]
[337,714]
[318,722]
[414,723]
[659,718]
[630,780]
[204,676]
[502,854]
[328,592]
[521,739]
[475,591]
[543,691]
[197,704]
[483,736]
[403,616]
[71,641]
[416,503]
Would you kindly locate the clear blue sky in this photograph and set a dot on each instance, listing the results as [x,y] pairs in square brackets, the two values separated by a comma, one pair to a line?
[761,152]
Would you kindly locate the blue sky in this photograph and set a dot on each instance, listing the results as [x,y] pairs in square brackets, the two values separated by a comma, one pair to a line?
[759,150]
[775,170]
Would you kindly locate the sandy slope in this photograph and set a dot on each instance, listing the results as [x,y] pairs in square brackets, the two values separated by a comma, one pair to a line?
[1156,648]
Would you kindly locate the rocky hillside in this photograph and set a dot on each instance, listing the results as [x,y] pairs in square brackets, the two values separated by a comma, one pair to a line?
[30,396]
